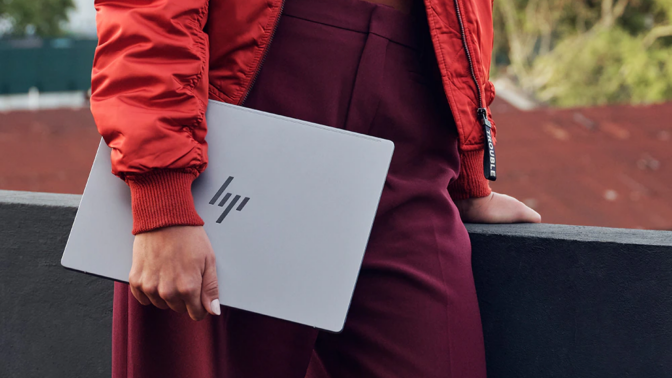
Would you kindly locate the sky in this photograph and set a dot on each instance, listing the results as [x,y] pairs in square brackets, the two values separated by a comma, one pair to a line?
[83,18]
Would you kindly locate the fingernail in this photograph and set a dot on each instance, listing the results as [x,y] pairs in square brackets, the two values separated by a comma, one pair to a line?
[214,305]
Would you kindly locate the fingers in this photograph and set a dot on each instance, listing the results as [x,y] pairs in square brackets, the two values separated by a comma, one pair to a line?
[192,298]
[147,293]
[181,298]
[172,298]
[529,216]
[174,267]
[496,208]
[210,288]
[144,293]
[185,296]
[506,209]
[140,296]
[152,293]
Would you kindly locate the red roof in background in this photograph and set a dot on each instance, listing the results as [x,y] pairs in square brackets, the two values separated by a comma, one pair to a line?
[608,166]
[47,150]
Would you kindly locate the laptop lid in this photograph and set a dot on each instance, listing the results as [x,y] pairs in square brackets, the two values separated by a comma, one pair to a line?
[288,206]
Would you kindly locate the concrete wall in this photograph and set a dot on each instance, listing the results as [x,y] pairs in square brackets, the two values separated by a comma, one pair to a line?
[53,322]
[556,301]
[562,301]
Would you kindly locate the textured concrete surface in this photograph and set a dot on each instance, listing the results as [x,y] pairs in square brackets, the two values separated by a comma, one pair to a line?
[562,301]
[556,301]
[574,233]
[53,322]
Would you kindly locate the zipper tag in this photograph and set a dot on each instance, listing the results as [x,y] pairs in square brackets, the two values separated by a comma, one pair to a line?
[489,160]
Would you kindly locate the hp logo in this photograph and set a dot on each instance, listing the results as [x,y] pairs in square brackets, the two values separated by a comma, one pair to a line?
[224,200]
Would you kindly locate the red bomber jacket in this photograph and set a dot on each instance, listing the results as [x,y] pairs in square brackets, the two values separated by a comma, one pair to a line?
[158,62]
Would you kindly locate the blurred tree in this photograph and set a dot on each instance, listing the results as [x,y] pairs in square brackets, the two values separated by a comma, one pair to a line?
[39,17]
[586,52]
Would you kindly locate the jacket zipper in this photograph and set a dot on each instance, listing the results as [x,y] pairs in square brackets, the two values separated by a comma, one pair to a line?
[263,57]
[489,160]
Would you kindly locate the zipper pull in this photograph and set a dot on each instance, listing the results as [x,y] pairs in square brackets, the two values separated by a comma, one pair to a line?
[489,160]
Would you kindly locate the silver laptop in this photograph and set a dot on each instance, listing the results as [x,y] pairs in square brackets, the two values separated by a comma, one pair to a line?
[288,206]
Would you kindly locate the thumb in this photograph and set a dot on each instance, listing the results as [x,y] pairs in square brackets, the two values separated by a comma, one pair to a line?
[506,209]
[210,288]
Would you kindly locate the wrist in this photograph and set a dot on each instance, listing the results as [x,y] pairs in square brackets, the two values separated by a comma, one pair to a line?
[471,182]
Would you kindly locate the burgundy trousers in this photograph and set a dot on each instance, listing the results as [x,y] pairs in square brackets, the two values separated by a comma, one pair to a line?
[369,69]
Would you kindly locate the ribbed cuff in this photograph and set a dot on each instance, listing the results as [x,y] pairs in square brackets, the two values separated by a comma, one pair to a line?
[162,198]
[472,182]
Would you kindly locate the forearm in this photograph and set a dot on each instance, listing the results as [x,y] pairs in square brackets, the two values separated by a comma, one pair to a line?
[149,95]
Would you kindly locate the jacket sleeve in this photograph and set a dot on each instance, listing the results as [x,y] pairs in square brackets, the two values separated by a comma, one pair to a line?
[471,182]
[149,94]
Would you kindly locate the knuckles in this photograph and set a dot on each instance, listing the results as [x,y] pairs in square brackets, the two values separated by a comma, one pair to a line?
[149,289]
[171,289]
[137,285]
[135,280]
[188,290]
[167,293]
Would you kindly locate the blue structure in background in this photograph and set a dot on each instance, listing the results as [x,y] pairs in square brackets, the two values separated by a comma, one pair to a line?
[50,65]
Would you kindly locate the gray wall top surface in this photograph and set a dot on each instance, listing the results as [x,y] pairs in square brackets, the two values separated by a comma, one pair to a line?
[576,233]
[39,198]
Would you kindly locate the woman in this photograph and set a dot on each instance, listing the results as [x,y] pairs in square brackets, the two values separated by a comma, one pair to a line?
[411,72]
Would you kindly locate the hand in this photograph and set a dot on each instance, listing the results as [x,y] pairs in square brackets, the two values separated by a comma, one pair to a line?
[174,267]
[496,208]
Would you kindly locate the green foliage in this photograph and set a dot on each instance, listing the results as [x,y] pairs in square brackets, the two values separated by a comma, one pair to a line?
[596,52]
[41,17]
